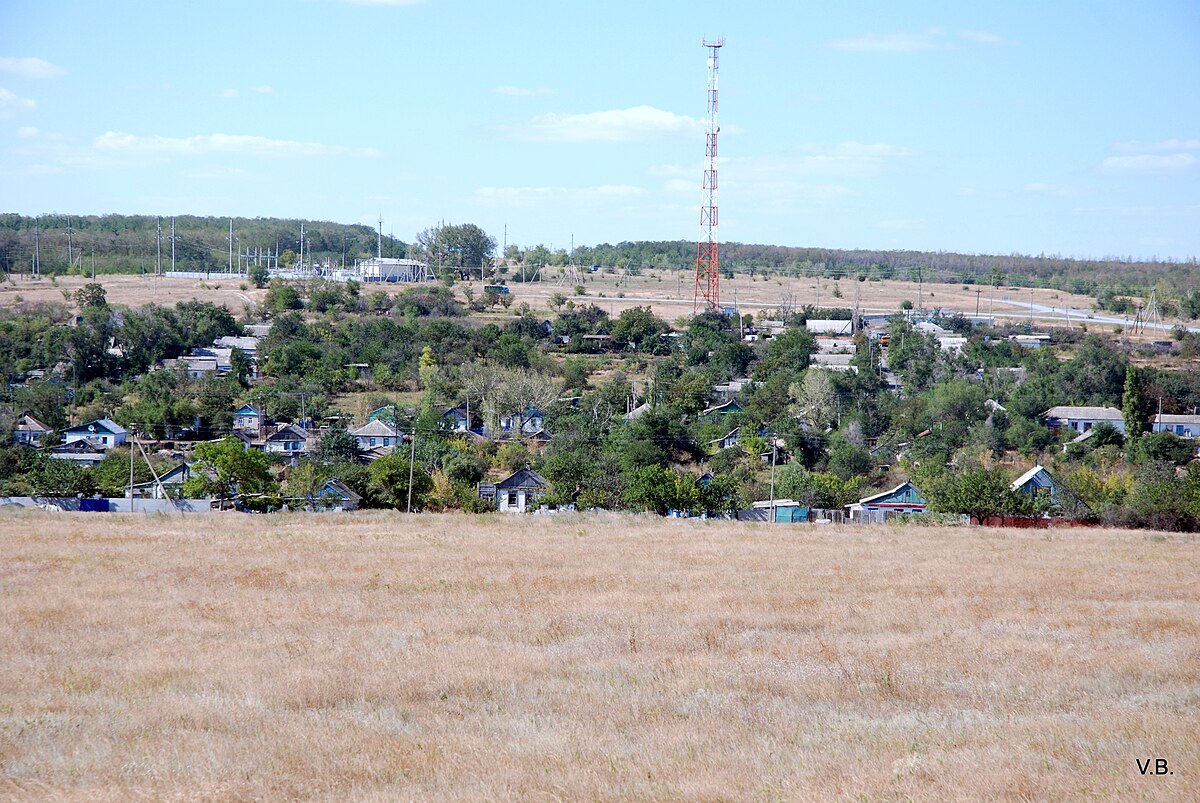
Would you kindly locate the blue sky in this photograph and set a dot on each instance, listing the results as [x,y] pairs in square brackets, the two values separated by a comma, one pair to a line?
[1067,128]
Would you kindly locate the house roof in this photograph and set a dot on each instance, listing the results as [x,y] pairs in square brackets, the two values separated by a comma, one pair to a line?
[340,489]
[30,424]
[249,409]
[1167,418]
[880,497]
[1063,411]
[523,478]
[637,412]
[288,432]
[730,406]
[376,428]
[99,424]
[79,447]
[1024,479]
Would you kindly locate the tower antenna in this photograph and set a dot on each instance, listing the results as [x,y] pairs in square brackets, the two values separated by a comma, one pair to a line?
[708,275]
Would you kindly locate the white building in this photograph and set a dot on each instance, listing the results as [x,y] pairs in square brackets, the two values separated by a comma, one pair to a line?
[384,269]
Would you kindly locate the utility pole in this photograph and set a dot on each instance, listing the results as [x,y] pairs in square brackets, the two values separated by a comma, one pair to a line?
[412,459]
[172,245]
[231,245]
[773,448]
[70,245]
[37,247]
[977,292]
[158,246]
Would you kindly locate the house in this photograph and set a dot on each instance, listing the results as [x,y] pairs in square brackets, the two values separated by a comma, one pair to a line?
[171,482]
[249,418]
[84,451]
[1036,482]
[1184,426]
[1081,419]
[531,420]
[830,327]
[787,511]
[637,412]
[720,410]
[729,441]
[385,413]
[103,433]
[457,419]
[289,439]
[30,431]
[334,495]
[904,498]
[516,492]
[376,433]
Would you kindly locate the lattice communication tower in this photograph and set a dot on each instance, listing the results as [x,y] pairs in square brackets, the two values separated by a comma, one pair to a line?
[708,274]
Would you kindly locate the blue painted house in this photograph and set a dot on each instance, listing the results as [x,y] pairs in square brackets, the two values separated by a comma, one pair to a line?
[904,498]
[1038,483]
[103,433]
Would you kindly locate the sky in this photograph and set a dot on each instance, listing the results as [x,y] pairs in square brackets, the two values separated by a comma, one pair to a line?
[1051,127]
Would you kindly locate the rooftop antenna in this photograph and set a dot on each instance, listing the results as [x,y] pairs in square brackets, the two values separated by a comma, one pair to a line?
[708,276]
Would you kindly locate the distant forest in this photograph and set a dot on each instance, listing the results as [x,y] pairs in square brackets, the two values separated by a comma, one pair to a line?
[130,243]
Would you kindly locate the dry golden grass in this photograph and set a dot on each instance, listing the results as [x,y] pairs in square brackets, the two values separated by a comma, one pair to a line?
[378,656]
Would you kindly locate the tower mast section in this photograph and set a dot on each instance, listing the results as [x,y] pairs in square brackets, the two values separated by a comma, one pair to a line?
[708,274]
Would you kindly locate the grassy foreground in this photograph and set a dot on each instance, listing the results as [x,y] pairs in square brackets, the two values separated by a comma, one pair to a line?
[376,656]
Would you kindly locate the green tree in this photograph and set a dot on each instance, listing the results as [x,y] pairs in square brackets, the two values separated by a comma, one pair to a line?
[259,275]
[91,295]
[978,493]
[1133,403]
[336,446]
[226,468]
[388,484]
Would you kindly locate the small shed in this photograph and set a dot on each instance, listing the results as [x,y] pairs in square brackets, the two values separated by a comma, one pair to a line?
[516,492]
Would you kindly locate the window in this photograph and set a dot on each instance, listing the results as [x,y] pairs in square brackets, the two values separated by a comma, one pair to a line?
[512,499]
[372,443]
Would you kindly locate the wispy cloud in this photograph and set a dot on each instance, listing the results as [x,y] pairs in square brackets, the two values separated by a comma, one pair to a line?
[29,67]
[240,144]
[640,123]
[1163,145]
[228,93]
[915,42]
[1149,163]
[262,89]
[519,92]
[533,196]
[12,104]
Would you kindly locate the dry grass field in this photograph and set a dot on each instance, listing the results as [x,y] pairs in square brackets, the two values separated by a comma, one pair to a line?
[384,657]
[669,293]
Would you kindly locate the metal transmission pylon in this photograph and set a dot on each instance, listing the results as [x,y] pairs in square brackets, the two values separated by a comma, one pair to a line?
[708,273]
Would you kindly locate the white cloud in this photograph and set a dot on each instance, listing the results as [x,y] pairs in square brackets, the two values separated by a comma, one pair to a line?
[263,89]
[29,67]
[120,142]
[529,196]
[901,42]
[639,123]
[227,93]
[11,104]
[519,92]
[1149,163]
[27,132]
[1164,145]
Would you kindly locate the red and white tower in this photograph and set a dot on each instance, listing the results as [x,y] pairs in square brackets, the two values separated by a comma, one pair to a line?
[708,274]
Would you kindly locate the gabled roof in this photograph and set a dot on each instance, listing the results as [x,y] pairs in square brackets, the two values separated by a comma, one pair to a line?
[338,488]
[249,409]
[288,432]
[1023,480]
[1168,418]
[1064,411]
[376,428]
[30,424]
[730,406]
[79,447]
[523,478]
[98,425]
[881,498]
